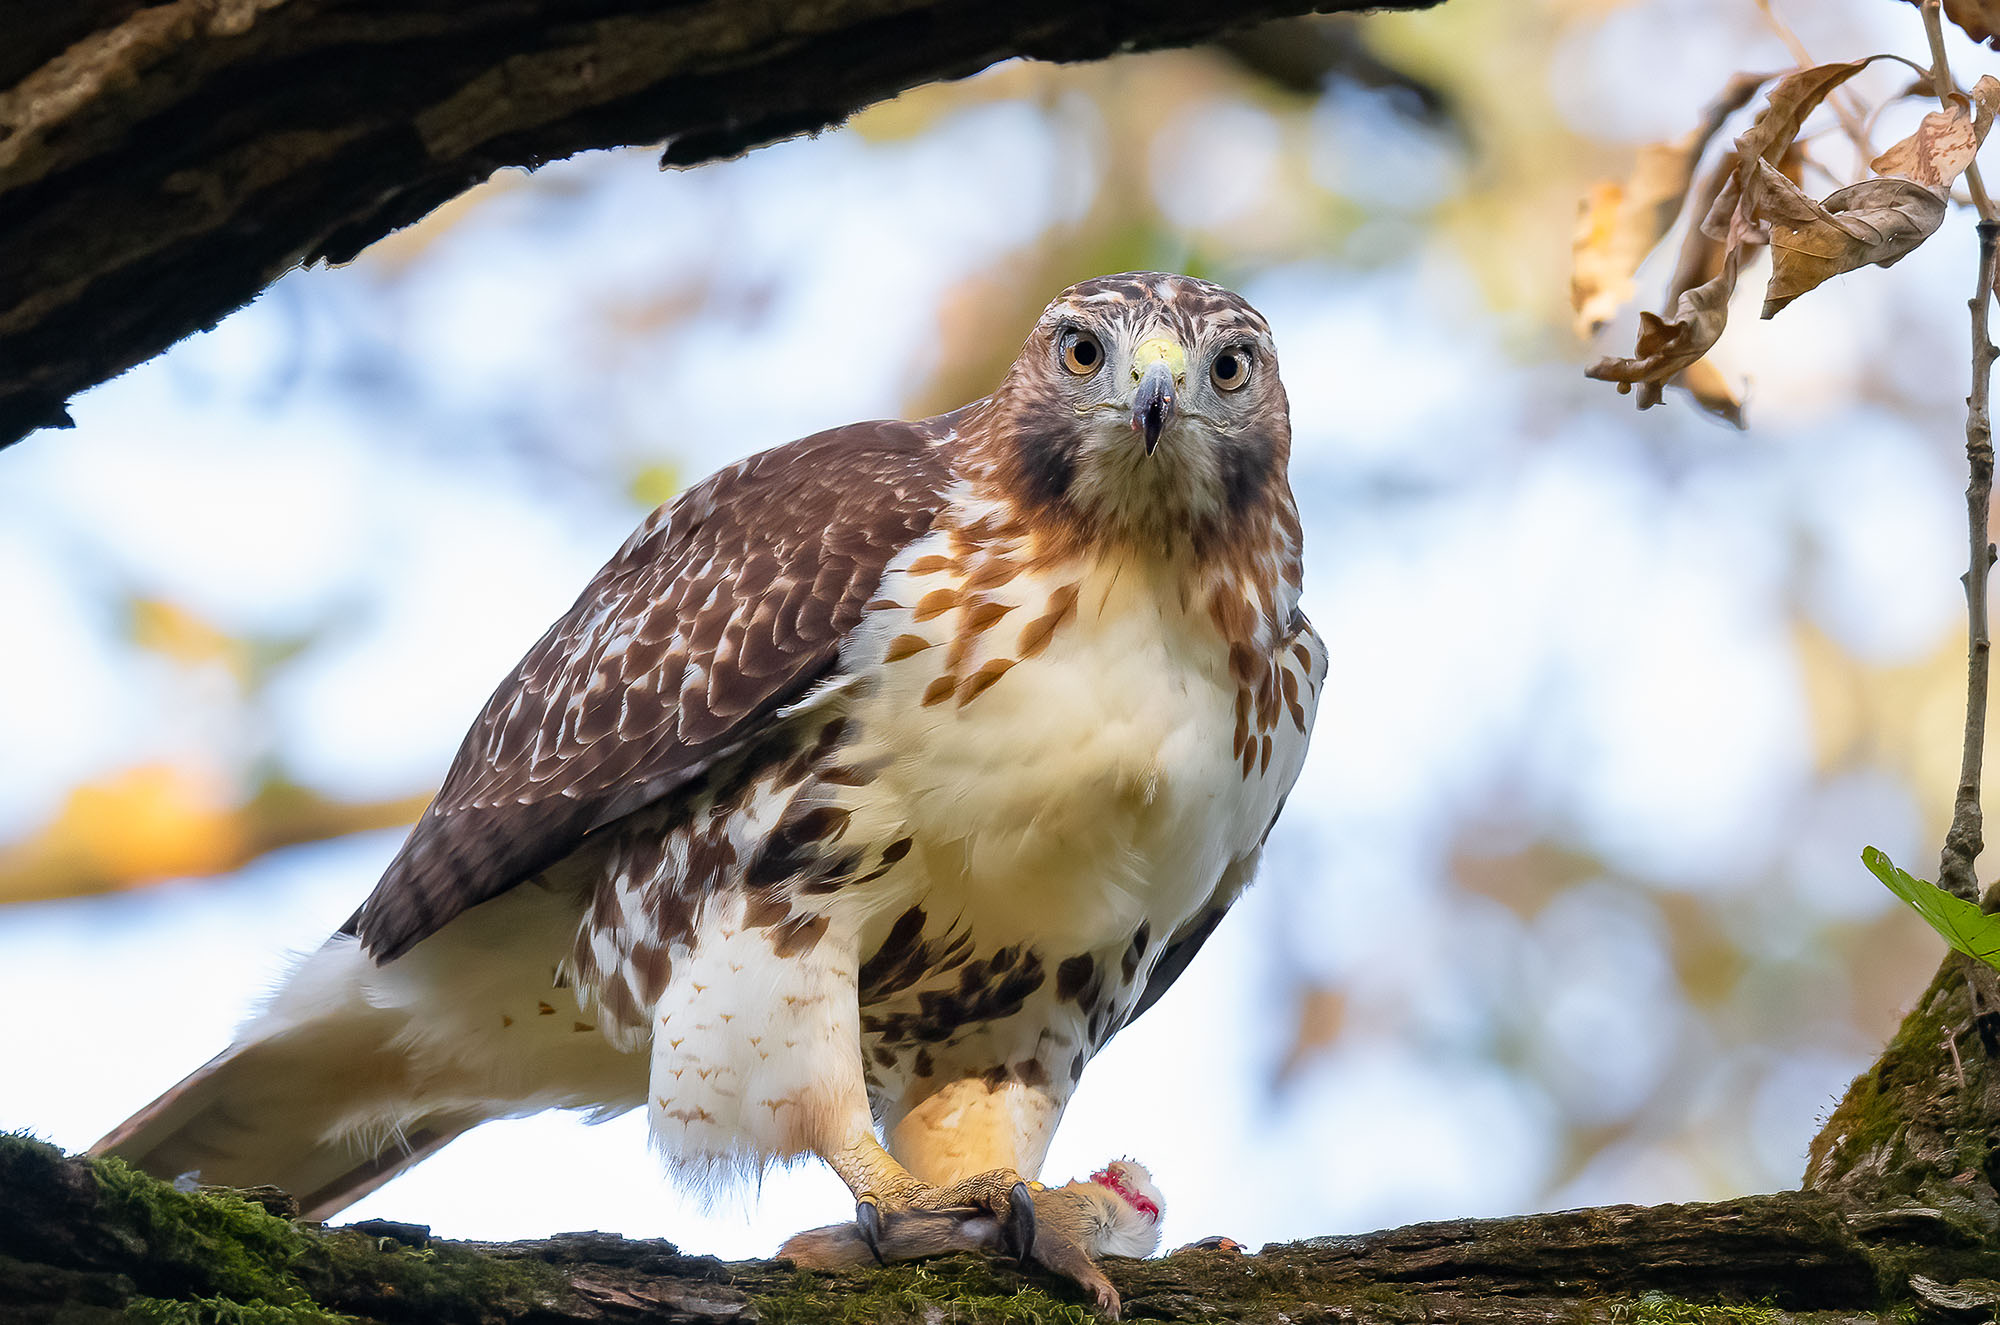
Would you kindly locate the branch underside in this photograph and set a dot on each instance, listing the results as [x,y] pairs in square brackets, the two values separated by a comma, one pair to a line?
[78,1236]
[160,165]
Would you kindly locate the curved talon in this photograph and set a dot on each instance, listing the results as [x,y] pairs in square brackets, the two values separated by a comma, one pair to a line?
[868,1221]
[1020,1229]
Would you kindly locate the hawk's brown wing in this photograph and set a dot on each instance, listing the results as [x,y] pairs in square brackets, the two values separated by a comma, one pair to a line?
[722,608]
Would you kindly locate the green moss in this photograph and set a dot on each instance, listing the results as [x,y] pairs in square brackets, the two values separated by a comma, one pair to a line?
[1910,1146]
[955,1291]
[1660,1309]
[220,1311]
[224,1249]
[215,1259]
[1902,1086]
[211,1259]
[432,1282]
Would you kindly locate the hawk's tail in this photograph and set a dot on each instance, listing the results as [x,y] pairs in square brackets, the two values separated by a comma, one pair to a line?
[355,1071]
[277,1112]
[316,1097]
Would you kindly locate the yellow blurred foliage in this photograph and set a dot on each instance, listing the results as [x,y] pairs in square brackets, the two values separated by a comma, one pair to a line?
[156,821]
[1512,225]
[655,484]
[1907,718]
[144,823]
[175,632]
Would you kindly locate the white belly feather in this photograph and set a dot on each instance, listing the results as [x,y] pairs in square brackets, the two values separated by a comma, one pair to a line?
[1092,786]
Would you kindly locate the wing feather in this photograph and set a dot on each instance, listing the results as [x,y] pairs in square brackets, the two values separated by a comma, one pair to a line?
[1185,943]
[724,607]
[1181,949]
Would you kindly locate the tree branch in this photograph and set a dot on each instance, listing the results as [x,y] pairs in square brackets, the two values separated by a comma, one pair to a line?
[161,164]
[1964,840]
[81,1234]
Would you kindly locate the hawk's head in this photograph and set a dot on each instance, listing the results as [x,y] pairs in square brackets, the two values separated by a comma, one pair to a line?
[1145,405]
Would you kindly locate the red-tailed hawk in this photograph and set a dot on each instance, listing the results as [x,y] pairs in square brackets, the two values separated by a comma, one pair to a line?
[872,786]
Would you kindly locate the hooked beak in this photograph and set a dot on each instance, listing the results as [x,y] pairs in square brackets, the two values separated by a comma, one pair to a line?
[1159,366]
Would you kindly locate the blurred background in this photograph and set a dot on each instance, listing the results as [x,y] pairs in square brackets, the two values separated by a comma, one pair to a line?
[1567,907]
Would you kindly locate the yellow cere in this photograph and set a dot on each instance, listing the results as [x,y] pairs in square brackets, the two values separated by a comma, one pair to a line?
[1162,350]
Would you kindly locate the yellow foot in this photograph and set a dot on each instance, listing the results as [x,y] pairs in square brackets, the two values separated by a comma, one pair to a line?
[1001,1194]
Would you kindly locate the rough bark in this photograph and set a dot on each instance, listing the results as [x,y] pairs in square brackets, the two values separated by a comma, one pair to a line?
[161,163]
[83,1241]
[1917,1136]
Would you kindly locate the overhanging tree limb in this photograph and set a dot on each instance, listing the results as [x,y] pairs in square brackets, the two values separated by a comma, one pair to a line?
[161,164]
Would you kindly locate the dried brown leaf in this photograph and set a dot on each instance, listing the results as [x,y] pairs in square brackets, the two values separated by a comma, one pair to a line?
[1700,258]
[1986,100]
[1619,224]
[1667,348]
[1711,391]
[1874,223]
[1771,137]
[1791,100]
[1946,141]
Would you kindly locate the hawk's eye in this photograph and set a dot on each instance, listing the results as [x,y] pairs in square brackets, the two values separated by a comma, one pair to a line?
[1230,370]
[1081,353]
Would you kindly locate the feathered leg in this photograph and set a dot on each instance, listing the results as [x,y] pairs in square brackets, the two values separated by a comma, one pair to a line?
[756,1057]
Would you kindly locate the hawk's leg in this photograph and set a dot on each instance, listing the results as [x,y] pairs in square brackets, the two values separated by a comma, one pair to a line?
[976,1137]
[885,1193]
[1113,1212]
[967,1144]
[978,1141]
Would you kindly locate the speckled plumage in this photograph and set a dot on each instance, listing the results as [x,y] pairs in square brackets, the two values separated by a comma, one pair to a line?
[878,780]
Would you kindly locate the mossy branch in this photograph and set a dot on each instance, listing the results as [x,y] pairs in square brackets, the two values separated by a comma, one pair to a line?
[83,1241]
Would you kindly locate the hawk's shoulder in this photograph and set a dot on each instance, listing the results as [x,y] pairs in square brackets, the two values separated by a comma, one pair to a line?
[724,606]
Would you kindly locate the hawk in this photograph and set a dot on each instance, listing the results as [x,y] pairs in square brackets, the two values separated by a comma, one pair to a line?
[873,785]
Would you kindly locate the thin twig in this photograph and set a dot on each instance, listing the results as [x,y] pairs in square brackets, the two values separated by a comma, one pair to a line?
[1850,118]
[1945,89]
[1964,841]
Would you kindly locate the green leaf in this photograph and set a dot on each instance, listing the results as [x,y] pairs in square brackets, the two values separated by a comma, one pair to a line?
[1963,925]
